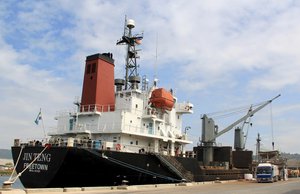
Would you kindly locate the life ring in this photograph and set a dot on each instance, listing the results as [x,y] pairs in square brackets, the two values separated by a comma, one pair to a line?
[118,147]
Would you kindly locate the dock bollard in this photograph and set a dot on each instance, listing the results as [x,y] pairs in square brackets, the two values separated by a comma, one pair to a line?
[7,185]
[217,180]
[124,182]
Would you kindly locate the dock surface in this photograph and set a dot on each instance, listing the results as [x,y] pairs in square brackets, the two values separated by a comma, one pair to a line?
[292,186]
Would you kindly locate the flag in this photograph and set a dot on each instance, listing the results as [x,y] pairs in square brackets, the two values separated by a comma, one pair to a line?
[138,40]
[39,117]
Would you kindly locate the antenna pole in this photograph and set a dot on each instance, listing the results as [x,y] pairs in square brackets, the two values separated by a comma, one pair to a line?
[155,65]
[131,41]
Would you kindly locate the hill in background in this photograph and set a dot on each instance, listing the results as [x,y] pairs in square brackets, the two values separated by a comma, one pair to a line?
[290,156]
[5,154]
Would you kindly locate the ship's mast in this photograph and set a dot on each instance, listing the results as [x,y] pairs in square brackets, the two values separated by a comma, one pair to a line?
[258,140]
[132,78]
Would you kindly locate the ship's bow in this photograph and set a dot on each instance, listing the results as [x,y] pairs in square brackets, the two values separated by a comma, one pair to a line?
[37,165]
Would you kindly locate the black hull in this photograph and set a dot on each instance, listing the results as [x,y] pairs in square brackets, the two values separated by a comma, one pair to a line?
[83,167]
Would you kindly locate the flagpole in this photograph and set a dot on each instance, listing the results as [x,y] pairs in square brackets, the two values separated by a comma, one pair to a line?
[43,126]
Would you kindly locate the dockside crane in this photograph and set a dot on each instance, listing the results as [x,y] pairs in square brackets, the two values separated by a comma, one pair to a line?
[210,132]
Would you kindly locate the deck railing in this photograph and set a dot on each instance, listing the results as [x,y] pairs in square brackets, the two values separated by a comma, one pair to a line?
[97,108]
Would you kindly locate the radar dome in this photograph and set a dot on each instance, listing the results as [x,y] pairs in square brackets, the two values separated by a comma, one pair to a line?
[130,23]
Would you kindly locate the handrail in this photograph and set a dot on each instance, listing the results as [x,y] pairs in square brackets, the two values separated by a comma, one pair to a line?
[97,108]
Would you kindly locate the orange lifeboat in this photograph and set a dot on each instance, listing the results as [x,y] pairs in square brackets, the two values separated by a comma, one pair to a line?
[161,98]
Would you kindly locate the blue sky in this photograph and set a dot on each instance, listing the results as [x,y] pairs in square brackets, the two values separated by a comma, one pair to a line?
[216,54]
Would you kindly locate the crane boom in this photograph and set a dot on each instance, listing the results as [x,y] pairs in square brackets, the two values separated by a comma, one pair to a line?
[249,114]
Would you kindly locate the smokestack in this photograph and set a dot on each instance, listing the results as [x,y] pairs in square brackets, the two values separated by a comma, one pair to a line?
[98,84]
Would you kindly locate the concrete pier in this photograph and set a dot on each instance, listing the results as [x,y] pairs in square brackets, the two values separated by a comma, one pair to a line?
[224,187]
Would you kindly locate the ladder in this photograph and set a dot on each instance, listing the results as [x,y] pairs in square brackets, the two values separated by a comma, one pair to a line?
[176,167]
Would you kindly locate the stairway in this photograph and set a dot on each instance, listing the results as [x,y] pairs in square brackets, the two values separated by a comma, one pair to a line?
[176,167]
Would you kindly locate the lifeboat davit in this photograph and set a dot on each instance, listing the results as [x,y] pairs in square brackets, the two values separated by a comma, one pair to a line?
[161,98]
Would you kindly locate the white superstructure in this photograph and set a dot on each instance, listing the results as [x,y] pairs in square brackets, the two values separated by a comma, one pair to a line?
[134,125]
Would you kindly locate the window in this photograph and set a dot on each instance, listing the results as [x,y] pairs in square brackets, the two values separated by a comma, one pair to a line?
[264,170]
[137,143]
[71,122]
[93,67]
[88,69]
[128,94]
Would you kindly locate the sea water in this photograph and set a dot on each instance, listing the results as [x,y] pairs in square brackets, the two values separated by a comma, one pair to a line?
[16,185]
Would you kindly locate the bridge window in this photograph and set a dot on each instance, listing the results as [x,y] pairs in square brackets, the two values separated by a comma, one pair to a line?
[93,67]
[88,69]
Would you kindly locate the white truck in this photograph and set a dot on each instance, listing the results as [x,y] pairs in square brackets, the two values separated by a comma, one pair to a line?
[267,172]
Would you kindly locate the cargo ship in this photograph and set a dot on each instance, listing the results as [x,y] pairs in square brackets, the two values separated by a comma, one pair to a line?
[125,131]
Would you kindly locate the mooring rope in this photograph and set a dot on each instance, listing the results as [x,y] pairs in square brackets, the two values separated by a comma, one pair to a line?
[138,169]
[14,170]
[12,180]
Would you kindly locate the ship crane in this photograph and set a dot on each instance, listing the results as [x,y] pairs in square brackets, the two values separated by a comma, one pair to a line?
[210,132]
